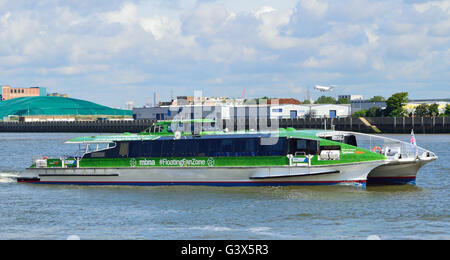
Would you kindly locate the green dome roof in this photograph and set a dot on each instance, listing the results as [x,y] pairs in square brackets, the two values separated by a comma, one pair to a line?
[55,106]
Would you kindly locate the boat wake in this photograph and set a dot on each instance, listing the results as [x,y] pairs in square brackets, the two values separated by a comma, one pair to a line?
[8,177]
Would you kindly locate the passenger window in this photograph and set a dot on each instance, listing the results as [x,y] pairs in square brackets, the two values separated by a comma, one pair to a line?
[124,149]
[301,145]
[304,147]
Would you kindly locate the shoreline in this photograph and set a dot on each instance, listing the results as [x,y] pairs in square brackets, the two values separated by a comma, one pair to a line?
[400,125]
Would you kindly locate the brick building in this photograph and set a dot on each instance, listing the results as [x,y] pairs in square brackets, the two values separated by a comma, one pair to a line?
[7,92]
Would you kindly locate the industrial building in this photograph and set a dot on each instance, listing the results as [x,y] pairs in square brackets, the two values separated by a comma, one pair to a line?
[411,106]
[219,112]
[351,97]
[8,92]
[366,104]
[181,112]
[57,109]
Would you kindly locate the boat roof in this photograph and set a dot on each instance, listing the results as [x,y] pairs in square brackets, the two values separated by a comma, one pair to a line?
[306,134]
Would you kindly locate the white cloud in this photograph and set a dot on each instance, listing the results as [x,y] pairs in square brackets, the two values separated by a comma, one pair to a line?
[206,19]
[4,18]
[127,15]
[317,8]
[424,7]
[186,44]
[160,26]
[372,37]
[269,29]
[264,10]
[75,69]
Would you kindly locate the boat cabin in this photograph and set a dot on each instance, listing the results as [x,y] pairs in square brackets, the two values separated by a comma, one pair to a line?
[211,146]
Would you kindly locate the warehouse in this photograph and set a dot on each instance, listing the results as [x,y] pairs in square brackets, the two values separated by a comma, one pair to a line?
[275,111]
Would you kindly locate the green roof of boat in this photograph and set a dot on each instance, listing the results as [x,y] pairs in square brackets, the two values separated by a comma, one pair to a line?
[307,134]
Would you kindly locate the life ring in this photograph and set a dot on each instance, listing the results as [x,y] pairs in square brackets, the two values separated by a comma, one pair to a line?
[377,148]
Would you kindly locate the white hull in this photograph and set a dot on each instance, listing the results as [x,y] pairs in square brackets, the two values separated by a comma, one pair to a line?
[217,176]
[398,171]
[404,160]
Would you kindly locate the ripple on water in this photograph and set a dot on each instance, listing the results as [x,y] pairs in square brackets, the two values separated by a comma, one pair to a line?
[60,212]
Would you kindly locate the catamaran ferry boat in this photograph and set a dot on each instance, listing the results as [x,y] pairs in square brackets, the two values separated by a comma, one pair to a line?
[165,154]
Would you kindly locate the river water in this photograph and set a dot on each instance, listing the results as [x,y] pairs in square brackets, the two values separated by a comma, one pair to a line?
[337,212]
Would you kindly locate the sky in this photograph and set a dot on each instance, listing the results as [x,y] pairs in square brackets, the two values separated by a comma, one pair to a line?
[116,51]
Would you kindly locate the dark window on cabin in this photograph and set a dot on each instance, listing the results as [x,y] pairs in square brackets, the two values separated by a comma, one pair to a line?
[167,149]
[235,147]
[124,149]
[227,145]
[331,147]
[351,140]
[304,147]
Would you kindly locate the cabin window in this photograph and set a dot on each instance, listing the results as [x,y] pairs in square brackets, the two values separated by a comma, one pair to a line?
[124,149]
[277,149]
[227,145]
[351,140]
[167,149]
[98,155]
[156,129]
[206,148]
[304,147]
[331,148]
[301,145]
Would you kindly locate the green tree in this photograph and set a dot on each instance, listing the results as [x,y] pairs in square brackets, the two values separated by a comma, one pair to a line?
[344,101]
[374,112]
[395,104]
[307,102]
[422,110]
[447,110]
[325,100]
[377,99]
[434,110]
[362,113]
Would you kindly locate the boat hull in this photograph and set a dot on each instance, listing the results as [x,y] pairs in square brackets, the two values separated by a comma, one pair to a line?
[355,174]
[396,172]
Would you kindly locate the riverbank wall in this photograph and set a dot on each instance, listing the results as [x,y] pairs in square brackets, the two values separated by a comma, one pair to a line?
[424,125]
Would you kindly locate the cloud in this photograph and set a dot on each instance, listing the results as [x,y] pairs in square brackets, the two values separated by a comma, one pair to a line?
[127,15]
[160,26]
[221,46]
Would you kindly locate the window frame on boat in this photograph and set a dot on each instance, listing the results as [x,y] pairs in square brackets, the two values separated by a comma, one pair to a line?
[212,146]
[197,147]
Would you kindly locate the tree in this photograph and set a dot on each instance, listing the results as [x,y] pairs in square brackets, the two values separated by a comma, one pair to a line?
[325,100]
[362,113]
[434,110]
[344,101]
[447,110]
[377,99]
[307,102]
[374,112]
[395,104]
[422,110]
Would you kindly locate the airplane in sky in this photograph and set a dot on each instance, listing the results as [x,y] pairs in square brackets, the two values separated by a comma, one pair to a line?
[324,88]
